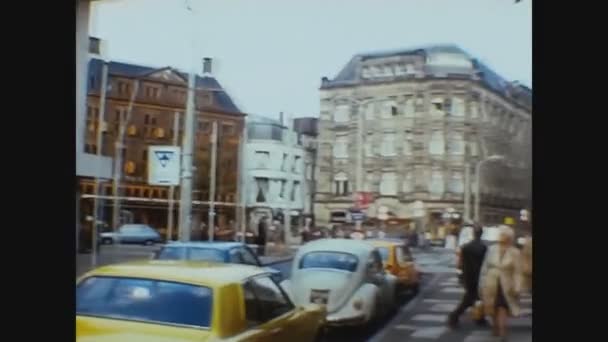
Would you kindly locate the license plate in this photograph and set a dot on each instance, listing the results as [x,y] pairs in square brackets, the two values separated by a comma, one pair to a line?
[319,296]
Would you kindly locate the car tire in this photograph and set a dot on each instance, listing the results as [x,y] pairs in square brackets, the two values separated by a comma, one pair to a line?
[148,243]
[107,241]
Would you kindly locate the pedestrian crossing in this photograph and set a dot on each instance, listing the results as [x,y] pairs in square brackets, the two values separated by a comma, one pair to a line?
[427,321]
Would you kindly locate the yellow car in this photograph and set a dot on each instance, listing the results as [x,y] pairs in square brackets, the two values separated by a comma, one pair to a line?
[169,300]
[398,260]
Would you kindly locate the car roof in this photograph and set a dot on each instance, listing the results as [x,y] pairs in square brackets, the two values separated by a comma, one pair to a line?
[385,242]
[206,244]
[357,247]
[208,274]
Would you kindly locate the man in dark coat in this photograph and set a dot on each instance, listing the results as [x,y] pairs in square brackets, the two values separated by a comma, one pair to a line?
[472,256]
[261,238]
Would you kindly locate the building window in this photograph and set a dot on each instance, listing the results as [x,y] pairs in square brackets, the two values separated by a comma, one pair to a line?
[437,107]
[387,109]
[436,185]
[340,148]
[419,105]
[262,159]
[458,107]
[228,129]
[388,184]
[296,164]
[456,185]
[394,110]
[309,171]
[409,109]
[473,148]
[341,184]
[474,110]
[283,191]
[147,119]
[407,186]
[284,163]
[369,111]
[437,143]
[388,145]
[456,143]
[261,189]
[342,114]
[365,73]
[295,191]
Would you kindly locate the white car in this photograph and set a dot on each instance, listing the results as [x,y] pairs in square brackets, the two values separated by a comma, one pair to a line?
[345,275]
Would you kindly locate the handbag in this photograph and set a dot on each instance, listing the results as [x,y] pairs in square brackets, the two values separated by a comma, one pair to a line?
[477,313]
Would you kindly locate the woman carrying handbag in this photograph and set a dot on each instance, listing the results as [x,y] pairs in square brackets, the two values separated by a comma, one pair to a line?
[501,282]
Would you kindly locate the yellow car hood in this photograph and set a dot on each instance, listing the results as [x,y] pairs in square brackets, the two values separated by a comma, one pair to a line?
[89,329]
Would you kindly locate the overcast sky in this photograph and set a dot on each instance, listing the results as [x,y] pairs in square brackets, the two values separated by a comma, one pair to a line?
[270,55]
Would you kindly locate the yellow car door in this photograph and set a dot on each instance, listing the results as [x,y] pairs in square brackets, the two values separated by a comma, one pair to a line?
[271,314]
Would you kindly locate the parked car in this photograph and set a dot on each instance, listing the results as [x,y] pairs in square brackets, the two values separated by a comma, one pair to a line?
[398,260]
[132,233]
[345,275]
[159,300]
[226,252]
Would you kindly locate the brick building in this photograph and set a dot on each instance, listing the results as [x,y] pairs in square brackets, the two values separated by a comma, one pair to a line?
[161,99]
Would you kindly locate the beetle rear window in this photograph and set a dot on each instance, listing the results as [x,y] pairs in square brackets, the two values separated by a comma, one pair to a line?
[145,300]
[330,260]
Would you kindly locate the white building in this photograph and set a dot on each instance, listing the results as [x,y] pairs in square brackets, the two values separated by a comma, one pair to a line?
[279,171]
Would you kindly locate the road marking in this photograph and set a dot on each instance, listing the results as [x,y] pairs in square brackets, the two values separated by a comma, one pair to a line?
[430,318]
[444,307]
[480,338]
[406,327]
[440,301]
[434,332]
[453,290]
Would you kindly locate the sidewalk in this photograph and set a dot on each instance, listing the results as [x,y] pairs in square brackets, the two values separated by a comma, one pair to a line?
[424,318]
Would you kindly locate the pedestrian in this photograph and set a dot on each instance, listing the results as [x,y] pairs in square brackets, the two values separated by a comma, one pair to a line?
[471,259]
[501,281]
[261,238]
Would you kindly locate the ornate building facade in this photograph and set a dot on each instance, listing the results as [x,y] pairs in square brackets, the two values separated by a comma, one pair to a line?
[408,125]
[158,108]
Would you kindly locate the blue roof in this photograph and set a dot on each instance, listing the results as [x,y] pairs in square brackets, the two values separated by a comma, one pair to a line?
[220,98]
[348,74]
[221,245]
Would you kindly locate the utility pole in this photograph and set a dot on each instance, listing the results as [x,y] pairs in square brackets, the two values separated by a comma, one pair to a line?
[359,172]
[241,185]
[185,201]
[99,144]
[172,188]
[119,147]
[212,181]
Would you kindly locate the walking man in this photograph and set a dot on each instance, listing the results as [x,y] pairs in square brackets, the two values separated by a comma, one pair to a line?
[261,238]
[471,260]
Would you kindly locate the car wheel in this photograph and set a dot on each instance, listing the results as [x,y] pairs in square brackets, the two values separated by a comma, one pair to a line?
[107,241]
[148,242]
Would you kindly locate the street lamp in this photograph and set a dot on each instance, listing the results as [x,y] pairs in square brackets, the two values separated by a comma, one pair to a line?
[478,180]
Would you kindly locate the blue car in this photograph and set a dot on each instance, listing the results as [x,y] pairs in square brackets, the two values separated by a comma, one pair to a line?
[225,252]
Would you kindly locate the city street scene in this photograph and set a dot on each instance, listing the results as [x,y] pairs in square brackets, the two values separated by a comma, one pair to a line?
[303,170]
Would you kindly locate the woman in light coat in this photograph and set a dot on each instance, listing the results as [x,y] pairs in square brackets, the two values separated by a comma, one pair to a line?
[501,281]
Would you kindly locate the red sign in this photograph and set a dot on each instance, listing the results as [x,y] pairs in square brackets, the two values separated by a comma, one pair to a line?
[363,199]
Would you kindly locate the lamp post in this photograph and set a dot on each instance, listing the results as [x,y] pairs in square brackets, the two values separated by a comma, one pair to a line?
[478,180]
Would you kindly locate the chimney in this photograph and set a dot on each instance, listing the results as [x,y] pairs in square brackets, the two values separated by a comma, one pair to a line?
[281,119]
[207,66]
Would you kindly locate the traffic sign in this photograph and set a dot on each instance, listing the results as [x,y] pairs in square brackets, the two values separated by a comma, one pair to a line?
[164,165]
[357,216]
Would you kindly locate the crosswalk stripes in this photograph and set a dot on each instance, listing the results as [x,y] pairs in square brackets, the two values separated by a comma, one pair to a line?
[429,322]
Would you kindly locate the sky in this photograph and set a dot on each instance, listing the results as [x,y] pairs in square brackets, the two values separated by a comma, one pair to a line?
[270,55]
